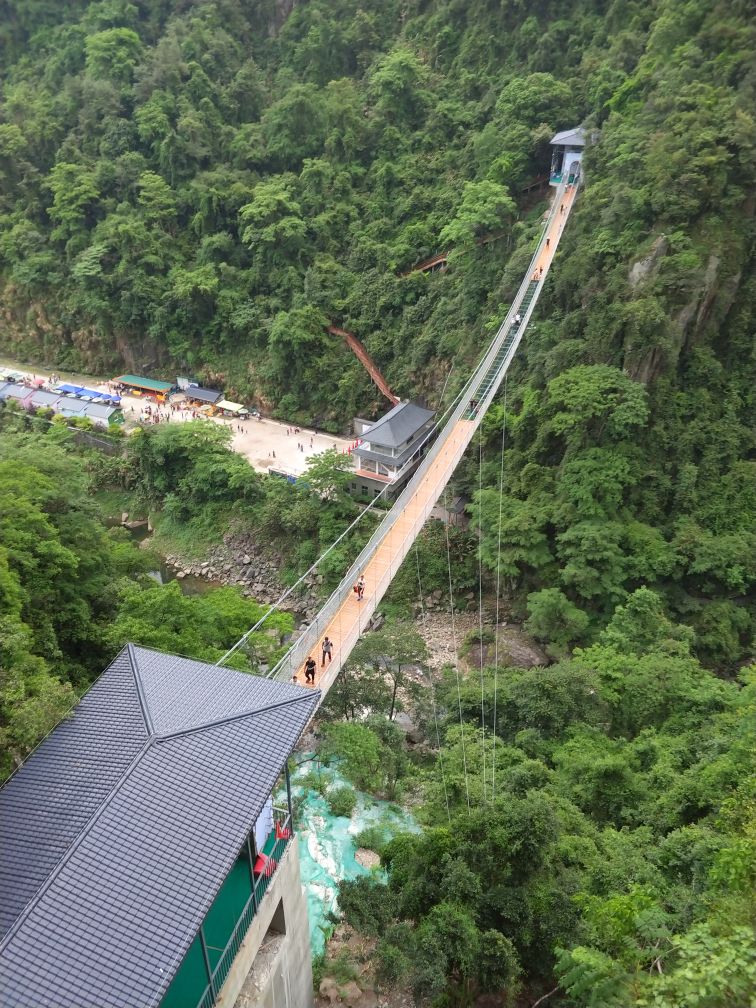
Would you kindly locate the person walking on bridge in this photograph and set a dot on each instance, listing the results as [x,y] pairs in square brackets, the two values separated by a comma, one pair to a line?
[360,587]
[327,651]
[310,670]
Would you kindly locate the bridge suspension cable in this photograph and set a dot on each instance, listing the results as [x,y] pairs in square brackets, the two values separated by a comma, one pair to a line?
[480,613]
[456,656]
[498,590]
[432,687]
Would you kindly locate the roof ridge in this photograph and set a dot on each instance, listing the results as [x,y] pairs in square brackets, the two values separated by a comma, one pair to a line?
[143,704]
[236,717]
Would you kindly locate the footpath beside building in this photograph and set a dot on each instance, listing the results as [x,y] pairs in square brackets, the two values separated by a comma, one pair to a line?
[142,862]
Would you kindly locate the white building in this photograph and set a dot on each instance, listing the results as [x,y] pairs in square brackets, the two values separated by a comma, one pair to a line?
[568,153]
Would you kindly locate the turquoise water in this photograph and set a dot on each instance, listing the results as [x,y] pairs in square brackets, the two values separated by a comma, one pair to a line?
[327,848]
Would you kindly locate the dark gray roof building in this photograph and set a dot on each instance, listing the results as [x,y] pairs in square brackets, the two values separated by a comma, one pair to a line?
[44,400]
[13,390]
[575,137]
[205,395]
[100,411]
[70,406]
[399,425]
[118,831]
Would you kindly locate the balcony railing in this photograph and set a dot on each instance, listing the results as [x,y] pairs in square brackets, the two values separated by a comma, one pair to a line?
[283,832]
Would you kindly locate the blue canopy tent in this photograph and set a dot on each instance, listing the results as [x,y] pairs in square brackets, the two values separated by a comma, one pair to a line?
[80,391]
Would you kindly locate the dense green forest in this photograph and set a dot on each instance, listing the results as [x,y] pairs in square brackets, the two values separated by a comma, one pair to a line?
[206,186]
[73,591]
[598,840]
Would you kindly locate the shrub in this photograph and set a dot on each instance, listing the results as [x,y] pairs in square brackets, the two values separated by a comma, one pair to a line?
[371,838]
[342,801]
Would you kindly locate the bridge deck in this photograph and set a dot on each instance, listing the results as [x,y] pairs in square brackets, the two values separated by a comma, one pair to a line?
[343,618]
[352,617]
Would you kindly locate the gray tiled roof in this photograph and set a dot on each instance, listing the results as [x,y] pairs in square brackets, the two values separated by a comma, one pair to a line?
[101,410]
[12,390]
[570,138]
[398,425]
[95,746]
[68,406]
[125,821]
[42,399]
[207,395]
[202,698]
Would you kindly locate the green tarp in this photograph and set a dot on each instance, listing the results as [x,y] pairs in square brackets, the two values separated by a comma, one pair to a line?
[146,383]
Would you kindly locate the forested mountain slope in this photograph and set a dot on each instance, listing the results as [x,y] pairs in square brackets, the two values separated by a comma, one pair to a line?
[192,182]
[207,185]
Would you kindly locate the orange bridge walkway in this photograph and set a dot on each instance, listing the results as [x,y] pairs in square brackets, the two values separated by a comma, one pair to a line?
[343,618]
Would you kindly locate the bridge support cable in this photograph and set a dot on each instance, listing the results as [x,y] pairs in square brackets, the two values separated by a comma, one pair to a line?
[275,607]
[456,658]
[392,540]
[431,683]
[498,591]
[480,614]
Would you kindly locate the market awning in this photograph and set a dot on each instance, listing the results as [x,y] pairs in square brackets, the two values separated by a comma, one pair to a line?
[231,407]
[92,395]
[149,384]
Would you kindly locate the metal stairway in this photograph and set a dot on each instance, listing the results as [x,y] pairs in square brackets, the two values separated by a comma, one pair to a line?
[492,375]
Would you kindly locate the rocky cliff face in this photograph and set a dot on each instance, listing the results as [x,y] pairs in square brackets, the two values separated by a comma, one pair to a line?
[693,317]
[29,334]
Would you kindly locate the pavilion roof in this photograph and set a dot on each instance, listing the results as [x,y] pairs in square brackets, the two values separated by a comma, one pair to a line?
[118,831]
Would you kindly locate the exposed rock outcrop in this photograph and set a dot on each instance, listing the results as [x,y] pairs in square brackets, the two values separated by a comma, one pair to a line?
[242,562]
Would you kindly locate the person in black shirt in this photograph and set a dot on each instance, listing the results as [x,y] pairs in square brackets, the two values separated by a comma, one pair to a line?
[310,669]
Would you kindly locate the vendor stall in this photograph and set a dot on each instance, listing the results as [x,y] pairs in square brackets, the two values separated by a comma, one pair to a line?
[232,409]
[147,387]
[203,396]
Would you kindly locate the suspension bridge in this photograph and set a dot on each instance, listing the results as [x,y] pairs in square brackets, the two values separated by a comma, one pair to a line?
[344,618]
